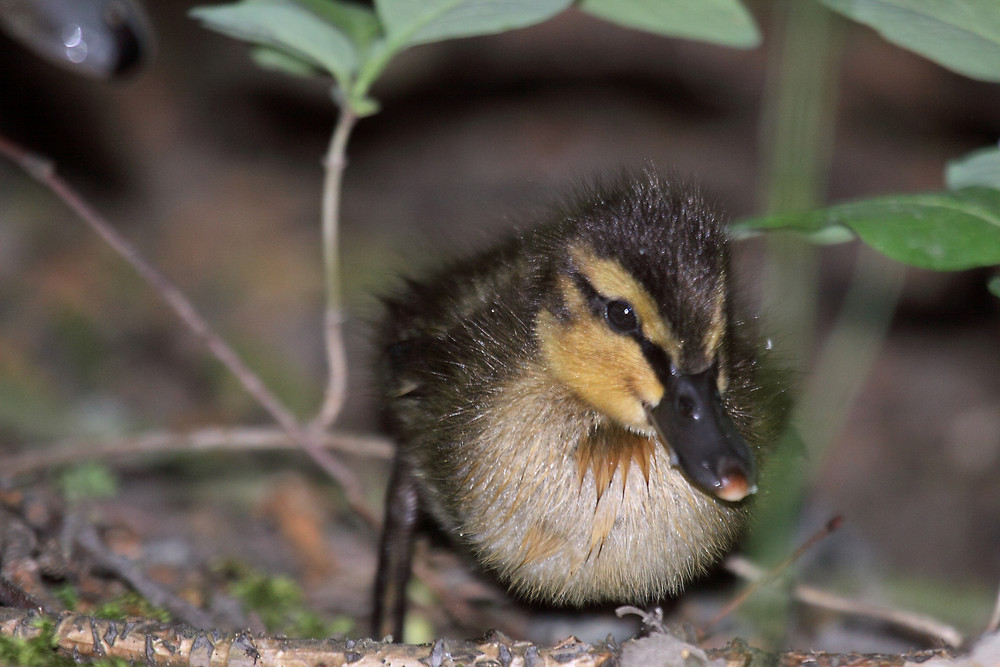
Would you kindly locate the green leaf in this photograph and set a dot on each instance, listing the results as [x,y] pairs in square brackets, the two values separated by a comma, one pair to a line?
[356,21]
[962,35]
[287,27]
[947,231]
[411,22]
[980,167]
[725,22]
[268,57]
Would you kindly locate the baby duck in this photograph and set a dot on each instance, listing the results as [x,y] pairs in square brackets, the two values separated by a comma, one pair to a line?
[579,406]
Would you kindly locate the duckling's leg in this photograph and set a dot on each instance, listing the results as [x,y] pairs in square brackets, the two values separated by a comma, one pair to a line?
[402,509]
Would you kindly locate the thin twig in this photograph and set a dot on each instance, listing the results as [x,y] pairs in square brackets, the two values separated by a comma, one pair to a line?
[816,597]
[43,170]
[86,538]
[830,526]
[335,163]
[35,457]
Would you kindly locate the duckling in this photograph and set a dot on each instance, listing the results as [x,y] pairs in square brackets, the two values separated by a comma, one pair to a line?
[579,406]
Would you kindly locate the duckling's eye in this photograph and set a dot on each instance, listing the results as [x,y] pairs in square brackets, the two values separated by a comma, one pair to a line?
[621,316]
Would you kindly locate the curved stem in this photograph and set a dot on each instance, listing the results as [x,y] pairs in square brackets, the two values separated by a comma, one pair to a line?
[335,162]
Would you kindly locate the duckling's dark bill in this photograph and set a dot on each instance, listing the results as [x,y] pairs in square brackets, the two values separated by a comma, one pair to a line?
[692,422]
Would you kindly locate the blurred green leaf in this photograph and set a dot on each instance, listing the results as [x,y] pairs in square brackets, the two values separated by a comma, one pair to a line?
[725,22]
[412,22]
[944,231]
[356,21]
[994,286]
[962,35]
[980,167]
[289,28]
[268,57]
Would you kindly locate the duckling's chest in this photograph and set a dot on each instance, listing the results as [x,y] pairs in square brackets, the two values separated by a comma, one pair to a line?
[567,507]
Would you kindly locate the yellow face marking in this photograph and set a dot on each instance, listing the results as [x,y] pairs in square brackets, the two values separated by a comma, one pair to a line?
[610,279]
[605,369]
[712,342]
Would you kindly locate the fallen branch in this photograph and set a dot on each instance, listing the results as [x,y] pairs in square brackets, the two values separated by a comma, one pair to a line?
[155,644]
[89,541]
[36,457]
[755,584]
[917,623]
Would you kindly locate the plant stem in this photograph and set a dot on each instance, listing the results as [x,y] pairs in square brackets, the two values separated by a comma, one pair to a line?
[850,349]
[796,138]
[796,134]
[335,163]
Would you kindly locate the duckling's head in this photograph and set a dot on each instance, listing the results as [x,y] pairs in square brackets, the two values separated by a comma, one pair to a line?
[638,324]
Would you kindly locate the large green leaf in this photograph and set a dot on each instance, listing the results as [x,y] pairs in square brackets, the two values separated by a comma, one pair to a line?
[411,22]
[945,231]
[289,28]
[962,35]
[980,167]
[357,21]
[724,22]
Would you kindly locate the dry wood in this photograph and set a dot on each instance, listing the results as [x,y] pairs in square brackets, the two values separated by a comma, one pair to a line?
[154,644]
[35,457]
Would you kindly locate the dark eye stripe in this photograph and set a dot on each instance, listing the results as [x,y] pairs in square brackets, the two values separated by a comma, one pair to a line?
[619,314]
[593,297]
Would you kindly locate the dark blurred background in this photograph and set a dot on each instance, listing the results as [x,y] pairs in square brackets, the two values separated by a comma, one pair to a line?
[213,168]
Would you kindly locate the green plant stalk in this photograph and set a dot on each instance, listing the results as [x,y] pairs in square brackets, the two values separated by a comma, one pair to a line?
[799,125]
[796,137]
[850,350]
[334,163]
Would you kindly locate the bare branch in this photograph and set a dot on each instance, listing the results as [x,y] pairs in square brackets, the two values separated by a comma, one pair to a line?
[830,526]
[816,597]
[43,171]
[40,456]
[87,538]
[151,643]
